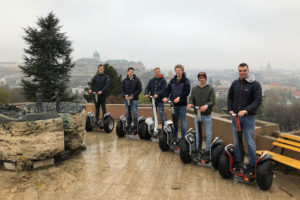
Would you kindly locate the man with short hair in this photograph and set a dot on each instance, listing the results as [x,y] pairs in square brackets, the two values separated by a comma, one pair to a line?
[244,98]
[178,90]
[100,85]
[203,96]
[132,87]
[156,86]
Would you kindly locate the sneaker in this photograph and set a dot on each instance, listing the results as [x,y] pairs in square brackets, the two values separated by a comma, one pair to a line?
[236,166]
[250,170]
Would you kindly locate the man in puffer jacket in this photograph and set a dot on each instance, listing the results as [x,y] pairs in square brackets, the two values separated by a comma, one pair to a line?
[244,98]
[178,90]
[132,87]
[156,87]
[100,85]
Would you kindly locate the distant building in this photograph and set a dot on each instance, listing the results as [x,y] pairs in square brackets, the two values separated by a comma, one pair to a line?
[296,94]
[221,91]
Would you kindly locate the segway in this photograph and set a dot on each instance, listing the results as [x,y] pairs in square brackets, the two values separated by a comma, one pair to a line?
[122,125]
[166,140]
[189,153]
[147,128]
[107,123]
[263,173]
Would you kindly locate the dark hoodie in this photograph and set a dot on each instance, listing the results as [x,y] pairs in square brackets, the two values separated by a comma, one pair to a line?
[131,87]
[100,82]
[178,89]
[156,86]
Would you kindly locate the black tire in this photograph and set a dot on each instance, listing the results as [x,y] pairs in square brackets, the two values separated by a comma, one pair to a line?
[109,124]
[140,129]
[163,145]
[144,131]
[119,129]
[88,124]
[184,152]
[215,155]
[224,166]
[264,175]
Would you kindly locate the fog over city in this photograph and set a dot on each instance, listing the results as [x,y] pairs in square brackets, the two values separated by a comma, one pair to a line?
[198,34]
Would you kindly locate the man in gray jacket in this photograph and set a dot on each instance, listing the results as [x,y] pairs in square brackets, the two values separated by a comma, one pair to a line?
[203,96]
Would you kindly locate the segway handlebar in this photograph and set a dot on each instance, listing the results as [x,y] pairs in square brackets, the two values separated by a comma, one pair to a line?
[128,100]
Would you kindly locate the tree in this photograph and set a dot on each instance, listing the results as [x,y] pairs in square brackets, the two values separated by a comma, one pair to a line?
[4,95]
[114,84]
[47,60]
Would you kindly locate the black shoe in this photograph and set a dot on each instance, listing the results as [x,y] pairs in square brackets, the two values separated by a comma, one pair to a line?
[128,130]
[250,170]
[206,156]
[134,130]
[236,167]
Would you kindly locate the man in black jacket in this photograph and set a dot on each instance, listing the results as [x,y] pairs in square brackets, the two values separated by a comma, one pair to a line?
[244,98]
[100,84]
[178,89]
[156,87]
[132,87]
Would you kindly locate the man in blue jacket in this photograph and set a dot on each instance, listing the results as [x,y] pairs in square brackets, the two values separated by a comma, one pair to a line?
[178,90]
[132,87]
[100,85]
[156,87]
[244,98]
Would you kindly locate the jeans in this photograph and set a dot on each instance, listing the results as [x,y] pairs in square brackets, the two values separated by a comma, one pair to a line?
[101,101]
[133,107]
[160,106]
[206,120]
[180,113]
[247,125]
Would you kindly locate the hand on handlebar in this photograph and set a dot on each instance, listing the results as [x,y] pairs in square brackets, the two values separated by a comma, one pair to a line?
[131,97]
[146,96]
[177,100]
[90,91]
[100,92]
[165,100]
[242,113]
[203,108]
[190,105]
[155,96]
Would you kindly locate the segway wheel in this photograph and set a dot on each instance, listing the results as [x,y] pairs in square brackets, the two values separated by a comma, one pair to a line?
[184,153]
[264,175]
[109,124]
[140,127]
[163,145]
[144,131]
[120,129]
[224,166]
[215,155]
[88,124]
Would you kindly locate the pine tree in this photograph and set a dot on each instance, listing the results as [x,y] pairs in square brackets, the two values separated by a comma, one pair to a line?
[47,60]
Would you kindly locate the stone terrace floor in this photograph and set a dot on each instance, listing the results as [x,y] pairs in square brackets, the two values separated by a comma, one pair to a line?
[113,168]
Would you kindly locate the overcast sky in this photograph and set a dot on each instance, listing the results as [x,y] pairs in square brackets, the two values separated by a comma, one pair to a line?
[195,33]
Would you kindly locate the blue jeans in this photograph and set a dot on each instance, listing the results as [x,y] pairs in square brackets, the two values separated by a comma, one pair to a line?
[133,107]
[180,113]
[206,120]
[160,106]
[247,125]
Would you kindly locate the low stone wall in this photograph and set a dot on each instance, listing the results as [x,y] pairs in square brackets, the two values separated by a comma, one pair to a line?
[29,140]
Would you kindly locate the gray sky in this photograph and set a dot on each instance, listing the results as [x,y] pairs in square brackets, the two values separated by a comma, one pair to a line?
[195,33]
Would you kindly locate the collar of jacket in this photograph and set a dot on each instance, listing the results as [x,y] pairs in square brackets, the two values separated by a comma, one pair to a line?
[249,80]
[160,76]
[183,78]
[134,77]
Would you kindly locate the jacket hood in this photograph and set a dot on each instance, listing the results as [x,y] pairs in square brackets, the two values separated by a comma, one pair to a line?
[182,79]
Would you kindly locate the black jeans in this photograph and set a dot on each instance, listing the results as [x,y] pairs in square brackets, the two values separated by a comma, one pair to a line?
[101,101]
